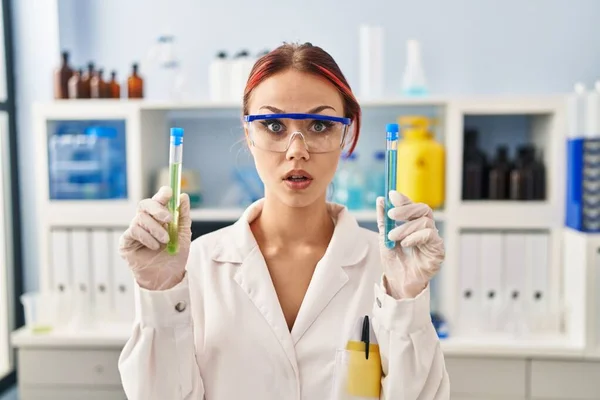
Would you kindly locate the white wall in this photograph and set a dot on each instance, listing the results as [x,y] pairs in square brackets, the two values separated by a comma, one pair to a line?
[470,46]
[36,55]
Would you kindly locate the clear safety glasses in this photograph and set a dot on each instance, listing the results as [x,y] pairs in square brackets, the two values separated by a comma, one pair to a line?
[275,132]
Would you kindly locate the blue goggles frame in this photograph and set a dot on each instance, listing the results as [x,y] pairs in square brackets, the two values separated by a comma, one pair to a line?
[256,117]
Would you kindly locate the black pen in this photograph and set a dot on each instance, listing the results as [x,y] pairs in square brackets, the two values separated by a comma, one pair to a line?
[365,335]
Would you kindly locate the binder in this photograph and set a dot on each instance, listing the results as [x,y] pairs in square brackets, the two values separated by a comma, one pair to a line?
[82,278]
[469,309]
[101,274]
[538,266]
[60,273]
[123,282]
[515,294]
[491,262]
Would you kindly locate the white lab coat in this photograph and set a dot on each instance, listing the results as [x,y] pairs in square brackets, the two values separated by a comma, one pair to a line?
[221,335]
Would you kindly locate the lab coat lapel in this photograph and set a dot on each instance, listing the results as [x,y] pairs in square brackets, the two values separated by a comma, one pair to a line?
[347,248]
[253,277]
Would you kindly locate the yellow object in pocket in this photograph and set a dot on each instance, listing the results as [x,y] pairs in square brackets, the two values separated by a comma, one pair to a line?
[364,375]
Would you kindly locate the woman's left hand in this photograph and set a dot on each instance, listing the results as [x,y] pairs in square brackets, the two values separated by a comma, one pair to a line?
[419,250]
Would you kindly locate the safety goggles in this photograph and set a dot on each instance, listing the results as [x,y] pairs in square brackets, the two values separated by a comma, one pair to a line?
[275,132]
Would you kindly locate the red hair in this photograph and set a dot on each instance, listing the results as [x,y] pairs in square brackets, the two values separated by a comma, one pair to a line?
[311,59]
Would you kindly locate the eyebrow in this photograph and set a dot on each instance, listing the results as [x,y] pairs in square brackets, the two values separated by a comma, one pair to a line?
[312,111]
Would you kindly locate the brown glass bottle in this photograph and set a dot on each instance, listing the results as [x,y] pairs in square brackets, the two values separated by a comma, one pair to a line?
[500,175]
[135,84]
[98,87]
[61,78]
[522,176]
[75,85]
[86,81]
[114,89]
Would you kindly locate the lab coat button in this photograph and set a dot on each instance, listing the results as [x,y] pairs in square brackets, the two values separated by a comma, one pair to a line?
[180,306]
[378,302]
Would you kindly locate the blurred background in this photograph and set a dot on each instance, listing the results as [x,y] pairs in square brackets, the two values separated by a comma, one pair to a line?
[499,109]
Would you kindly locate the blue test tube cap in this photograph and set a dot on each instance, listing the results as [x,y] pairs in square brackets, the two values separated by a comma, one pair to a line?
[392,131]
[177,135]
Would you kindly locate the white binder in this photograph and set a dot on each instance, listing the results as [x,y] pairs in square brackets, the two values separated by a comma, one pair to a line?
[469,308]
[491,263]
[101,274]
[123,283]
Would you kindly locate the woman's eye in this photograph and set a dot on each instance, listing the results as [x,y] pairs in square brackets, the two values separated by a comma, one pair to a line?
[275,126]
[320,126]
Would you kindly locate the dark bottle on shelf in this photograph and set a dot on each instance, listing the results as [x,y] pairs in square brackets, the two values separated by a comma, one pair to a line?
[521,177]
[61,78]
[86,82]
[114,89]
[75,85]
[539,177]
[499,176]
[98,87]
[135,84]
[474,168]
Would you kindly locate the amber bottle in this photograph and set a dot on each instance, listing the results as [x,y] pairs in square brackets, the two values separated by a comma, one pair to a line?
[135,84]
[98,87]
[61,78]
[75,85]
[86,81]
[114,89]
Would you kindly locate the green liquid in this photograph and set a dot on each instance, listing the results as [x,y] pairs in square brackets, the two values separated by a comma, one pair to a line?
[173,245]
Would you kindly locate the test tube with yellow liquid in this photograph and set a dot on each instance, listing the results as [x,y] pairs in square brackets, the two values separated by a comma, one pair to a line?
[175,160]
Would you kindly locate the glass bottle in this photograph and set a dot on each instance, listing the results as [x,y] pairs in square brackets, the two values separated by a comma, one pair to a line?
[61,78]
[474,168]
[98,87]
[75,84]
[522,177]
[114,89]
[86,80]
[499,175]
[135,84]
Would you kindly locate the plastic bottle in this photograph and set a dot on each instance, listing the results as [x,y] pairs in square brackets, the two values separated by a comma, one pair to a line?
[61,78]
[413,80]
[98,87]
[499,175]
[135,84]
[475,167]
[371,61]
[375,180]
[240,71]
[219,76]
[421,159]
[75,85]
[349,184]
[114,89]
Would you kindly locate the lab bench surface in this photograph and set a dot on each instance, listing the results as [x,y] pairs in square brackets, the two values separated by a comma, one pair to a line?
[75,365]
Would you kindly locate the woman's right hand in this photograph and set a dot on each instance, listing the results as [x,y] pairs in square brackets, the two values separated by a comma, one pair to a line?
[143,245]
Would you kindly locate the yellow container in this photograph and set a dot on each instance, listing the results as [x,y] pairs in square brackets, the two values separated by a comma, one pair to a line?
[421,172]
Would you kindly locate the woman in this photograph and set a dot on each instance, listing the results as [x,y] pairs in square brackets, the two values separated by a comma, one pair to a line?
[272,307]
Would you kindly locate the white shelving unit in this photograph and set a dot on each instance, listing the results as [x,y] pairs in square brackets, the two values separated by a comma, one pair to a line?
[499,359]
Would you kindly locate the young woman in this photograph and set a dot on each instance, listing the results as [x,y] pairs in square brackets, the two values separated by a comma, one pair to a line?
[273,307]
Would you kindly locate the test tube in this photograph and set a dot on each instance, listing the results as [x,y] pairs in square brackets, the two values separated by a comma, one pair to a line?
[175,159]
[391,154]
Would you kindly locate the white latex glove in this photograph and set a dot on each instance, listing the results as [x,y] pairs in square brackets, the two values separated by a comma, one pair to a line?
[419,250]
[143,245]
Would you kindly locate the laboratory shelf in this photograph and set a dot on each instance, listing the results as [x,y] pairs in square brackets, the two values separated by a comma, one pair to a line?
[89,213]
[506,214]
[232,214]
[507,346]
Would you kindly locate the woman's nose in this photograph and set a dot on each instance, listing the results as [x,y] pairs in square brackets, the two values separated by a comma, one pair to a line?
[298,147]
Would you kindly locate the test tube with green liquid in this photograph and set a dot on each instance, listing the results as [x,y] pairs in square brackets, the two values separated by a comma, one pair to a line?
[175,159]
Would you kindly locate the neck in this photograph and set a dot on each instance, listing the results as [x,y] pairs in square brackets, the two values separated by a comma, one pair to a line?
[285,226]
